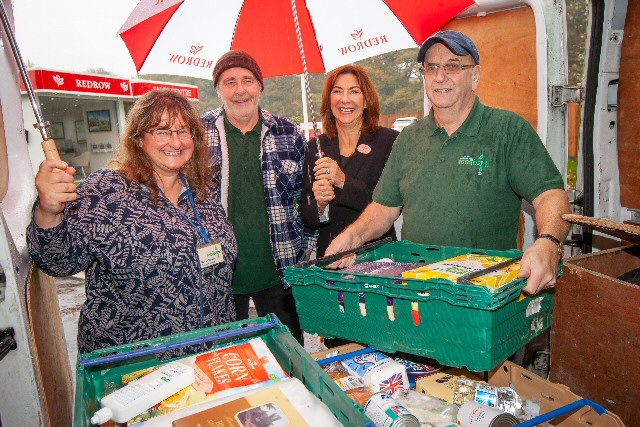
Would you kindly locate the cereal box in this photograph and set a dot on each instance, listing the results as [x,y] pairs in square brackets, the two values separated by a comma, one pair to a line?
[452,268]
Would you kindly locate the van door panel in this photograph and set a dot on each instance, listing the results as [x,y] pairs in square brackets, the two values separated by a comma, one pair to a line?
[507,45]
[628,118]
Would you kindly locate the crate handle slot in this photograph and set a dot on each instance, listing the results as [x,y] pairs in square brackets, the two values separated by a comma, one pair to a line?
[562,411]
[341,301]
[415,313]
[363,304]
[164,347]
[339,255]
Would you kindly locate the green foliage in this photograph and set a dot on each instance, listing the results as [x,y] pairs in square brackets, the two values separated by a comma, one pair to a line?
[572,173]
[99,70]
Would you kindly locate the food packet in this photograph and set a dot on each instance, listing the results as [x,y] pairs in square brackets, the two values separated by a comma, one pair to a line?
[352,385]
[427,409]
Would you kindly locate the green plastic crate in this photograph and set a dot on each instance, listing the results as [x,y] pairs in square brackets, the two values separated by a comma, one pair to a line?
[458,325]
[112,363]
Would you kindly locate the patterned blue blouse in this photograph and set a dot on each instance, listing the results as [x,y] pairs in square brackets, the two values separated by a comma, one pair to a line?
[143,277]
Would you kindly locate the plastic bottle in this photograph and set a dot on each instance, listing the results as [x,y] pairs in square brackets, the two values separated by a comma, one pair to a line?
[143,393]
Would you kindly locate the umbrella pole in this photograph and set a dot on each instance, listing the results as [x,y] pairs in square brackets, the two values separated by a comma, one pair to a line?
[303,57]
[48,145]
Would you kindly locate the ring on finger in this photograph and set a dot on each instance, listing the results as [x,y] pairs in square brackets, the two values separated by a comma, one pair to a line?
[322,193]
[328,171]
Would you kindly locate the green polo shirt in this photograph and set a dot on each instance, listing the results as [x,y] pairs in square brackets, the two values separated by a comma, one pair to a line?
[466,189]
[256,267]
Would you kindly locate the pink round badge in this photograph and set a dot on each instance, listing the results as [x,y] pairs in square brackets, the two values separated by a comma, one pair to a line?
[364,148]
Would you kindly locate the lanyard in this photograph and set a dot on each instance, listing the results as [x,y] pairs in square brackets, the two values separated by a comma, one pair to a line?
[201,229]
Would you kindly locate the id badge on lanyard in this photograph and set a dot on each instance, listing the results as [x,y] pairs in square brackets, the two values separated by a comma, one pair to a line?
[210,253]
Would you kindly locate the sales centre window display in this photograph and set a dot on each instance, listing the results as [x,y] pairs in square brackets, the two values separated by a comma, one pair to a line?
[86,113]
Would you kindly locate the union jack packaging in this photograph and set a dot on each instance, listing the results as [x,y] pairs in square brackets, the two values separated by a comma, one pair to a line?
[379,372]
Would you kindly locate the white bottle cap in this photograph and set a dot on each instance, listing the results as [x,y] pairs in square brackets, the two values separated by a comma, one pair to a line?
[101,416]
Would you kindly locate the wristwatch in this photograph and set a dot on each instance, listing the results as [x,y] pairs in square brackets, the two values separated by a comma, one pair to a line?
[555,240]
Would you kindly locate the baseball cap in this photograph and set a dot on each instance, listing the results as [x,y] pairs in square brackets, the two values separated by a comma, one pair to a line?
[458,42]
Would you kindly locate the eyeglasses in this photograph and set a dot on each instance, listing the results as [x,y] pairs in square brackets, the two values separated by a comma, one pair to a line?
[164,135]
[452,68]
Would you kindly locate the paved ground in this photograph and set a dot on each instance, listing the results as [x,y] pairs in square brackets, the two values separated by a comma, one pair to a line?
[71,297]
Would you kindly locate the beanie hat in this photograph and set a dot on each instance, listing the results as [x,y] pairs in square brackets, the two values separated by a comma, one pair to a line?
[237,58]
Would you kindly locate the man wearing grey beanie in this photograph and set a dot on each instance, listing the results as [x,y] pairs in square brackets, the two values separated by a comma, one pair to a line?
[257,161]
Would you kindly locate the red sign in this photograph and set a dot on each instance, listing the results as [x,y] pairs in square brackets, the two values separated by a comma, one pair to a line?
[139,88]
[79,83]
[59,81]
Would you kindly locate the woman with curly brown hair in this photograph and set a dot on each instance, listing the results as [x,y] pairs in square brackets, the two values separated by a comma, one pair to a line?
[154,242]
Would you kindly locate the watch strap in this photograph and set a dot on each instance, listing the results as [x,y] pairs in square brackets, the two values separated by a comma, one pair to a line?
[551,237]
[555,240]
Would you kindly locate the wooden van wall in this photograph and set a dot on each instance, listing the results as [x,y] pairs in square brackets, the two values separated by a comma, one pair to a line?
[628,118]
[507,45]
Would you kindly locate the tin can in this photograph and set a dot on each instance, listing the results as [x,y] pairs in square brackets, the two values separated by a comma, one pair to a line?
[474,414]
[384,411]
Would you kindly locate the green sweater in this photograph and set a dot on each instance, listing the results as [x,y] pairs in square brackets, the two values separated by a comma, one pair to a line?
[256,268]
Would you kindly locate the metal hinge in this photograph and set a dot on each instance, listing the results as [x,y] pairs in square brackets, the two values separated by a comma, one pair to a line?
[561,95]
[7,341]
[3,285]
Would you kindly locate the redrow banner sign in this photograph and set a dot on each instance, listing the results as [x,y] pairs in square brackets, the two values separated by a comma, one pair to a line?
[59,81]
[139,88]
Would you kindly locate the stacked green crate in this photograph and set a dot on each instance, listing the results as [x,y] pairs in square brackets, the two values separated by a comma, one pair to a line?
[458,325]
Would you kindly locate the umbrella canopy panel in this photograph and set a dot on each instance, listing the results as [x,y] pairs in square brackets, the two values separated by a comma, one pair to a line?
[186,37]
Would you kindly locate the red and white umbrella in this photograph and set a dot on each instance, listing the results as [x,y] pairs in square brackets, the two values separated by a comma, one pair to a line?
[186,37]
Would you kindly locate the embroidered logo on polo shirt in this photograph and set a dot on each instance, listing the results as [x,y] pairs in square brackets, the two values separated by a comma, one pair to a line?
[480,162]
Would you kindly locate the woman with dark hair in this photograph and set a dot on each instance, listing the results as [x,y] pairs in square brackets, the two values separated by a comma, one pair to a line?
[156,247]
[338,186]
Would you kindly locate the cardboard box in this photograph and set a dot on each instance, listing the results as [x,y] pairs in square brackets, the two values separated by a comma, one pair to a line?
[453,268]
[551,396]
[443,384]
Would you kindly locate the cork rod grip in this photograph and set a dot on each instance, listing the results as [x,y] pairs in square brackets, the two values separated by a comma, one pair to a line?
[50,150]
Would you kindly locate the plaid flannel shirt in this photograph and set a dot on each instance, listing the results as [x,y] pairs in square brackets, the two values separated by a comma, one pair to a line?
[282,151]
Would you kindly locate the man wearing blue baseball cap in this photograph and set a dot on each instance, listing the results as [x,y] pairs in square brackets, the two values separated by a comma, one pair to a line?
[460,174]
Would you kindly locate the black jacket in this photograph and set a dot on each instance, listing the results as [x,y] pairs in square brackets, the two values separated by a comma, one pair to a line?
[362,173]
